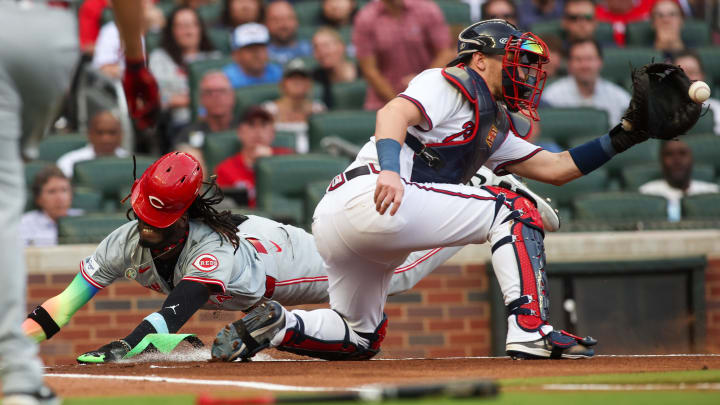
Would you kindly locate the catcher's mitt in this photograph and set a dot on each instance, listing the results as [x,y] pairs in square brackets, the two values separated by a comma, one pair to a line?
[660,104]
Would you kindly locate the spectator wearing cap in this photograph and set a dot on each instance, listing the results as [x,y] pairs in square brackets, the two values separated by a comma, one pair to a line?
[104,139]
[52,196]
[282,23]
[295,105]
[256,133]
[250,57]
[394,41]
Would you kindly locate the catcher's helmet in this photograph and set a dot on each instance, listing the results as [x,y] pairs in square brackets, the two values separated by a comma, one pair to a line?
[166,189]
[524,54]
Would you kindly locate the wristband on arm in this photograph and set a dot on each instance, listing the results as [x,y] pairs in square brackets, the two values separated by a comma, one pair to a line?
[591,155]
[388,151]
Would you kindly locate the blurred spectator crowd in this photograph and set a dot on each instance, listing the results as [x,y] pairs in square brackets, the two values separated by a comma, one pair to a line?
[274,97]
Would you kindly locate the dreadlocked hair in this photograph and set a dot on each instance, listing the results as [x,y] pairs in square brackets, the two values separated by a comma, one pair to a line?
[223,222]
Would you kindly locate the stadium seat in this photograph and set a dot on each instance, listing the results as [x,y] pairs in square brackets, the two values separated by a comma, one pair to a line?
[562,196]
[219,146]
[32,168]
[152,41]
[196,71]
[603,32]
[87,199]
[91,228]
[54,146]
[705,125]
[710,56]
[694,33]
[701,206]
[109,176]
[314,192]
[210,12]
[706,149]
[285,139]
[281,182]
[349,96]
[564,124]
[254,95]
[636,175]
[456,12]
[617,62]
[220,38]
[354,126]
[307,12]
[620,206]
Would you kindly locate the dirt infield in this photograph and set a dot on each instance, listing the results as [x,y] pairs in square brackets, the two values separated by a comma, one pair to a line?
[174,377]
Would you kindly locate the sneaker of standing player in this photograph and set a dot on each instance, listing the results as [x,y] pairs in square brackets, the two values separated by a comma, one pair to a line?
[247,336]
[485,177]
[43,396]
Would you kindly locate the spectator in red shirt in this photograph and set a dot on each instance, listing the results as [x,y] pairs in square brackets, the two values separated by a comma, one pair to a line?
[257,133]
[395,40]
[620,13]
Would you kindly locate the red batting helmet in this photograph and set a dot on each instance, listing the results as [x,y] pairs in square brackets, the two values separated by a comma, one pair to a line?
[166,189]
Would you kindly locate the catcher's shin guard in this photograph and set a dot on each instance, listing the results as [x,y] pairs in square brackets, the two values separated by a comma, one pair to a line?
[296,341]
[532,308]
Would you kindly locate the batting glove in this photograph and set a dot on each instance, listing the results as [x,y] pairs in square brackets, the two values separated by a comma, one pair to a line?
[110,353]
[142,94]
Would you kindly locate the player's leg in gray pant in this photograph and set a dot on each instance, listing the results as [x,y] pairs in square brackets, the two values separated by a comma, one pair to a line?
[417,266]
[38,49]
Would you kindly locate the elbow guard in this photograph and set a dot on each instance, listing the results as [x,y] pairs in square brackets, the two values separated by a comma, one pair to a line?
[46,322]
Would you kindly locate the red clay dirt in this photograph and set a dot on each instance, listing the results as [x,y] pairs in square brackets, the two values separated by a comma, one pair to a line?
[346,374]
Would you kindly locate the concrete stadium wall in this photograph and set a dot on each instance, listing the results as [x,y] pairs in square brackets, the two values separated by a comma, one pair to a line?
[447,314]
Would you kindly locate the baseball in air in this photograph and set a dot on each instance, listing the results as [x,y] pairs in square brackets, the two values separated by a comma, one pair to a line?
[699,91]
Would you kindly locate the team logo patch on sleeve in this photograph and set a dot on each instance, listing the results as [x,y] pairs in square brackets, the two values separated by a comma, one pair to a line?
[206,262]
[90,266]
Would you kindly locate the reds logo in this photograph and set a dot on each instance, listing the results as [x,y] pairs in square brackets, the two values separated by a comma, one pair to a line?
[156,202]
[206,262]
[490,139]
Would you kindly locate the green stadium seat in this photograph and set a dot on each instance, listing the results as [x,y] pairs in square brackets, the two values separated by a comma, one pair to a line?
[254,95]
[706,149]
[281,182]
[54,146]
[87,199]
[564,124]
[109,176]
[306,31]
[285,139]
[91,228]
[210,12]
[220,38]
[620,206]
[349,96]
[106,16]
[603,32]
[307,12]
[456,12]
[710,56]
[617,62]
[635,176]
[643,153]
[354,126]
[694,33]
[314,192]
[701,206]
[196,71]
[32,168]
[219,146]
[152,41]
[705,125]
[562,196]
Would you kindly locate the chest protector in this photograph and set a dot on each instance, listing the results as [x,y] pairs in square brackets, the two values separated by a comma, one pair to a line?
[458,157]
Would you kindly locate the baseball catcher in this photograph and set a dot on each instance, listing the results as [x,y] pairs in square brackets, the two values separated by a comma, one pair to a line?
[406,191]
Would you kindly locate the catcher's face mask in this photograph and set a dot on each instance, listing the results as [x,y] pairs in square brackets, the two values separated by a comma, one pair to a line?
[523,75]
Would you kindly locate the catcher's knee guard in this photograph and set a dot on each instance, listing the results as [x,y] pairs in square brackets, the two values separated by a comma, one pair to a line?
[296,341]
[532,309]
